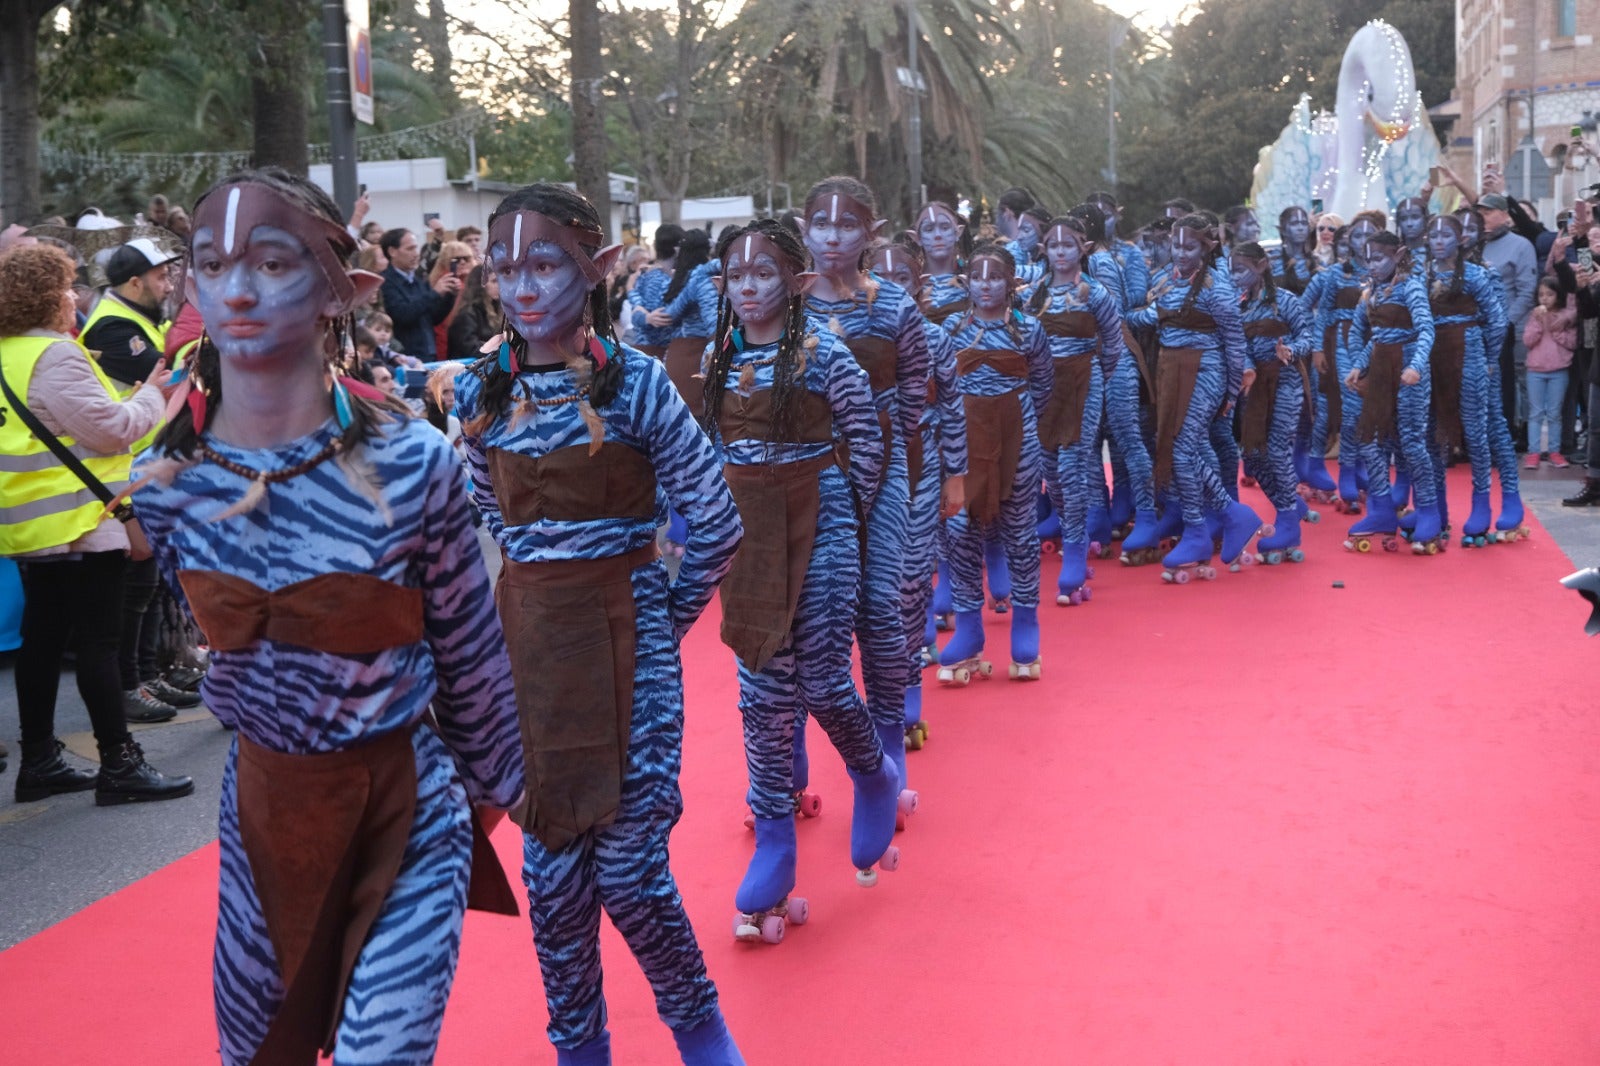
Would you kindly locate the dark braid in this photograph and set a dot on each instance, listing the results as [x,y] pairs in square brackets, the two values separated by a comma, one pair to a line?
[565,207]
[181,437]
[786,376]
[693,250]
[1203,223]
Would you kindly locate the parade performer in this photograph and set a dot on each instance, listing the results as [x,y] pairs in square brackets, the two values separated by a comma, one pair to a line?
[881,324]
[576,445]
[1081,320]
[1352,482]
[1202,364]
[1294,268]
[783,400]
[1004,373]
[323,542]
[940,492]
[1278,338]
[1331,297]
[1130,260]
[1468,320]
[1390,342]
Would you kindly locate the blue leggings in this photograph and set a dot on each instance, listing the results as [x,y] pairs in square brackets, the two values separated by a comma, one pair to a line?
[1273,467]
[1410,444]
[623,867]
[1068,468]
[1194,459]
[395,1003]
[1226,450]
[923,538]
[1016,526]
[1317,442]
[879,629]
[1120,424]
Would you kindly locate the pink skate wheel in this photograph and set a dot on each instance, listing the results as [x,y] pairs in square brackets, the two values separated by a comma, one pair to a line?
[799,910]
[907,803]
[810,804]
[1049,547]
[1094,547]
[1088,593]
[749,819]
[772,929]
[1267,530]
[1181,577]
[890,860]
[1089,571]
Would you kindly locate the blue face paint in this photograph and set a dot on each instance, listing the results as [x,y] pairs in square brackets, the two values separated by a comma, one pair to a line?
[1027,233]
[755,283]
[1381,260]
[543,294]
[938,232]
[896,265]
[1188,251]
[1064,251]
[989,286]
[1409,220]
[1443,244]
[1297,230]
[836,233]
[1246,229]
[255,300]
[1360,234]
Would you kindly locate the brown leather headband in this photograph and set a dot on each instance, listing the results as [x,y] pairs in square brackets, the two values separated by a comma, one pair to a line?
[518,229]
[234,211]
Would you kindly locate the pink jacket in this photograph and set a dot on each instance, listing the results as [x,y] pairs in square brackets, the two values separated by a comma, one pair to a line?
[1550,338]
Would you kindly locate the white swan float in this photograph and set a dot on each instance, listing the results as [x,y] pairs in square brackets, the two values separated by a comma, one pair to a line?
[1374,151]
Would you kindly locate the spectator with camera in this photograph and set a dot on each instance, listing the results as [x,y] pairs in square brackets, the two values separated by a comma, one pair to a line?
[415,305]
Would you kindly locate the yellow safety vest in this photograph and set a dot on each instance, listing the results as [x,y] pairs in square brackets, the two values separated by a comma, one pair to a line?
[156,336]
[42,503]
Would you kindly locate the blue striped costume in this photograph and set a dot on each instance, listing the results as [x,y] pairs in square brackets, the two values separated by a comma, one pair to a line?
[1223,443]
[1274,467]
[811,672]
[648,295]
[1411,438]
[1135,273]
[1128,282]
[621,867]
[694,308]
[296,700]
[1016,526]
[1324,296]
[888,313]
[1483,332]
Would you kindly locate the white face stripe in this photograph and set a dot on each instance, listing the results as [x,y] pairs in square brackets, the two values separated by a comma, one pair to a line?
[888,260]
[985,263]
[231,222]
[834,215]
[516,237]
[749,239]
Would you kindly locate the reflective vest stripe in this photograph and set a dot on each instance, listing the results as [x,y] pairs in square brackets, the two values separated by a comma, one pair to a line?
[27,464]
[111,307]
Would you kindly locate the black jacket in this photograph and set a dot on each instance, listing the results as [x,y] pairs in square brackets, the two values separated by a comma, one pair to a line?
[416,309]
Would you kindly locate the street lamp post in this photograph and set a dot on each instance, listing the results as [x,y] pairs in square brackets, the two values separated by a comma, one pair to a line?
[1116,33]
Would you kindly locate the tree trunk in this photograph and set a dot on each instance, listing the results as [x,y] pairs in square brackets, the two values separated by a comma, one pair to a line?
[589,167]
[19,109]
[278,87]
[680,147]
[436,38]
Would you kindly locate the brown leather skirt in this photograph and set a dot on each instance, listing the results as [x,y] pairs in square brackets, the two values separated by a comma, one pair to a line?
[1140,360]
[1380,393]
[1447,367]
[682,359]
[778,505]
[1175,377]
[654,351]
[994,451]
[570,631]
[1255,419]
[1328,380]
[325,835]
[1061,421]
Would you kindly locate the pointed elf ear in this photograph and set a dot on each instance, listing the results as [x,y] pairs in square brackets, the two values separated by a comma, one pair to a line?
[961,231]
[878,225]
[717,282]
[804,227]
[366,284]
[911,235]
[803,283]
[606,258]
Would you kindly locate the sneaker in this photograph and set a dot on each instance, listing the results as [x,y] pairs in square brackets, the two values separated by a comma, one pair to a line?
[47,774]
[1531,462]
[126,778]
[187,678]
[1559,461]
[140,705]
[177,697]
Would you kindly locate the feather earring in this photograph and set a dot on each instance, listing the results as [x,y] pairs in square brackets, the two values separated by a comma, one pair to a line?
[602,350]
[597,428]
[508,359]
[341,407]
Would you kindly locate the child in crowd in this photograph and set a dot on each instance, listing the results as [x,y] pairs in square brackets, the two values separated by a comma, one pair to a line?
[1550,335]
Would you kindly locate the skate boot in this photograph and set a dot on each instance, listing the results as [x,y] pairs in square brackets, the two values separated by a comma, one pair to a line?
[1284,540]
[1475,530]
[872,822]
[1170,527]
[916,729]
[807,804]
[1099,530]
[710,1043]
[596,1052]
[1509,526]
[1121,508]
[1303,511]
[1400,490]
[1239,525]
[893,740]
[1349,501]
[763,899]
[998,572]
[677,534]
[1379,524]
[941,605]
[1140,545]
[1071,589]
[962,658]
[1049,524]
[1191,557]
[1428,534]
[1214,526]
[1316,478]
[1025,644]
[1298,460]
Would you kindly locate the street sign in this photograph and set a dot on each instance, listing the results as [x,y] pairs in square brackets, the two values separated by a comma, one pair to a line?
[360,59]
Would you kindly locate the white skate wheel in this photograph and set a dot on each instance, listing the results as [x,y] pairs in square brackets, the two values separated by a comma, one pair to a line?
[745,929]
[866,878]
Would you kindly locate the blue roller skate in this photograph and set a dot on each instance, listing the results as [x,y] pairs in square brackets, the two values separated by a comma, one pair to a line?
[1240,524]
[1121,508]
[1509,526]
[1400,490]
[942,597]
[1283,542]
[1475,530]
[916,729]
[677,534]
[893,739]
[998,571]
[807,804]
[1380,523]
[1025,644]
[1049,524]
[1098,527]
[710,1043]
[1142,544]
[962,657]
[872,823]
[763,899]
[1427,536]
[595,1052]
[1315,475]
[1071,587]
[1190,558]
[1350,490]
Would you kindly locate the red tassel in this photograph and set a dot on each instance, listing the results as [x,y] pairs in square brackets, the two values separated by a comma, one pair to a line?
[363,390]
[597,350]
[197,408]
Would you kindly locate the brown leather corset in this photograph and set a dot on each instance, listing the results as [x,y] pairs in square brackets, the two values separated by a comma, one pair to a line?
[750,417]
[1070,324]
[1454,305]
[1266,327]
[1192,319]
[1348,298]
[338,614]
[570,485]
[877,357]
[1390,316]
[954,307]
[1012,364]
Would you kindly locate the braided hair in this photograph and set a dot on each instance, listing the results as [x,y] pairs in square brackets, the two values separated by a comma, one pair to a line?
[181,437]
[998,251]
[1200,222]
[787,370]
[565,207]
[1041,293]
[1307,250]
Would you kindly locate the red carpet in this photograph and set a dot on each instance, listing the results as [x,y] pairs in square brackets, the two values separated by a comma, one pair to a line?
[1262,820]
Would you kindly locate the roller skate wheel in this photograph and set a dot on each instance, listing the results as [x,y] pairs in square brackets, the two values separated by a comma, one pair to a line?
[1363,545]
[1313,517]
[1088,593]
[1267,530]
[1094,547]
[1297,556]
[772,929]
[890,860]
[867,878]
[749,819]
[745,929]
[1390,544]
[952,675]
[808,804]
[1273,558]
[907,802]
[1433,547]
[1089,571]
[942,623]
[1178,577]
[1024,671]
[1049,547]
[985,668]
[1207,573]
[799,910]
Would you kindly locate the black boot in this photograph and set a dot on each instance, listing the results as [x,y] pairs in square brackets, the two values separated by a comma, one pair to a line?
[45,773]
[126,778]
[1588,496]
